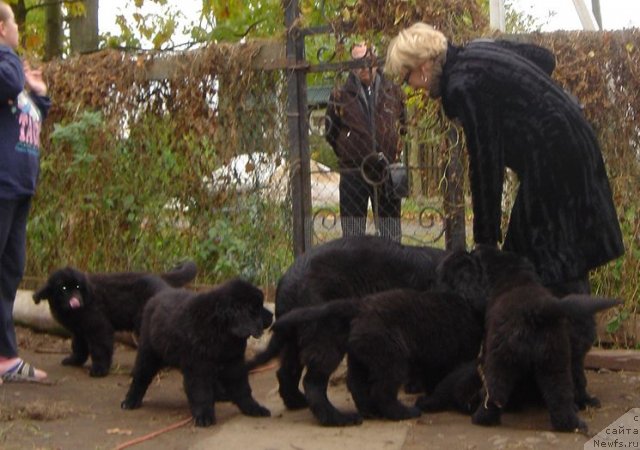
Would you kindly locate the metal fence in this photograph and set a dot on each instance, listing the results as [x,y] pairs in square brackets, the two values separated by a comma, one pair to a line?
[319,179]
[218,155]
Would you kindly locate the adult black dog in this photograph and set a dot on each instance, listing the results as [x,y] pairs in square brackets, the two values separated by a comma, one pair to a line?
[391,333]
[528,334]
[349,267]
[205,336]
[93,306]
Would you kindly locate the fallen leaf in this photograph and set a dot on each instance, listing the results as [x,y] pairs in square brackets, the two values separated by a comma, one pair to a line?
[119,431]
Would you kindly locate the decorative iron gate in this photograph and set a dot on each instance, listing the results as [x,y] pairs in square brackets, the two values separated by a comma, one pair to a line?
[314,186]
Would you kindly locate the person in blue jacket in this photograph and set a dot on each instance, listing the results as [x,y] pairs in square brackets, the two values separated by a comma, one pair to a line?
[23,106]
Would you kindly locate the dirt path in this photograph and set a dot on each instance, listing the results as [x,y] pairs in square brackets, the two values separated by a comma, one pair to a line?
[77,412]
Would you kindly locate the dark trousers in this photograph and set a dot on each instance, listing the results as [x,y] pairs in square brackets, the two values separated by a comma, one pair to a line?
[13,252]
[355,194]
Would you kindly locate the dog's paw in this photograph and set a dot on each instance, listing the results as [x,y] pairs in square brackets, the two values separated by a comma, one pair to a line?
[98,371]
[258,411]
[569,422]
[582,428]
[249,407]
[486,417]
[130,404]
[403,413]
[587,400]
[295,402]
[205,419]
[368,414]
[341,420]
[73,360]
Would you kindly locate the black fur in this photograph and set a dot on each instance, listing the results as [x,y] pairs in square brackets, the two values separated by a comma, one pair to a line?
[205,336]
[350,267]
[462,273]
[582,335]
[528,334]
[391,333]
[458,391]
[93,306]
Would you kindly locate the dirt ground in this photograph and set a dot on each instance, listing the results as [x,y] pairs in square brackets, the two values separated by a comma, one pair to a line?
[79,412]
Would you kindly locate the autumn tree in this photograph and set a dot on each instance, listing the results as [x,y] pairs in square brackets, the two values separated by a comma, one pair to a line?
[49,27]
[53,35]
[53,28]
[83,28]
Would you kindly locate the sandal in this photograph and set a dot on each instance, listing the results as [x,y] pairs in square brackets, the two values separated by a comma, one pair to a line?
[22,371]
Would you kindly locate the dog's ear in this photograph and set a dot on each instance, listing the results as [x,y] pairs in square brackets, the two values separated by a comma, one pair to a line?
[500,265]
[461,272]
[44,293]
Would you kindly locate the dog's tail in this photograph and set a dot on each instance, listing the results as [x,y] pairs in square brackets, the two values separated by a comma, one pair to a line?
[273,349]
[282,331]
[575,305]
[181,274]
[335,309]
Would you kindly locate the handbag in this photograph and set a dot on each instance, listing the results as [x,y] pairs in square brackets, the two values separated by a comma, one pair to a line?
[399,177]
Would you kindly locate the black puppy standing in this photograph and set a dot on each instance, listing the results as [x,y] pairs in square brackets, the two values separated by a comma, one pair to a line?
[205,336]
[528,333]
[392,333]
[93,306]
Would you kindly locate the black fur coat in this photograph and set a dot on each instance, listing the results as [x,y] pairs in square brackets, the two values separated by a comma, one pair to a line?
[514,115]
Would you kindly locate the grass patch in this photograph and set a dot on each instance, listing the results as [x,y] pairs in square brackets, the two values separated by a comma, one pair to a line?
[36,410]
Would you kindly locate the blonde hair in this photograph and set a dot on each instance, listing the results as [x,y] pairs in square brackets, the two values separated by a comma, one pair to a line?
[413,47]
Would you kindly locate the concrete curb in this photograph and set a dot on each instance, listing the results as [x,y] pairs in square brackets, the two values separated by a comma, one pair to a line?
[627,360]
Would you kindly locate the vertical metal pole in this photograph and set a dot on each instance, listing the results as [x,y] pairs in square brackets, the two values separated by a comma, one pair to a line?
[455,229]
[587,19]
[497,15]
[595,8]
[298,131]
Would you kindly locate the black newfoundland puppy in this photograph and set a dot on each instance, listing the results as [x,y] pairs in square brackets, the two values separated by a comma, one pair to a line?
[205,336]
[528,335]
[350,267]
[93,306]
[391,334]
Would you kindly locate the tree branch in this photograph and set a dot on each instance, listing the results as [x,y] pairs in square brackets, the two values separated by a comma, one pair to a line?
[46,3]
[251,27]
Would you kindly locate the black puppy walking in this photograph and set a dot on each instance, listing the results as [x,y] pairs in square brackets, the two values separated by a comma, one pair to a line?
[391,334]
[350,267]
[92,306]
[205,336]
